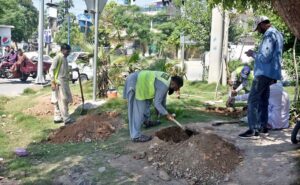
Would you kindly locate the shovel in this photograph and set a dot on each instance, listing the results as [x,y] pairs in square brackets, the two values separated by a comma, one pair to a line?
[188,131]
[82,112]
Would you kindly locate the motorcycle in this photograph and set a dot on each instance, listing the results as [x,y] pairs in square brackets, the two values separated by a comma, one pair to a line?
[4,66]
[27,69]
[295,131]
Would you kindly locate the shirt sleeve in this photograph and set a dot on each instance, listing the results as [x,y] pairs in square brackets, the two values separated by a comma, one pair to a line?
[243,97]
[53,66]
[161,91]
[266,49]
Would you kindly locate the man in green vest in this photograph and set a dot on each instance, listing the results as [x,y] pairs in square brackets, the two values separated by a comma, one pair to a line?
[241,79]
[140,89]
[59,74]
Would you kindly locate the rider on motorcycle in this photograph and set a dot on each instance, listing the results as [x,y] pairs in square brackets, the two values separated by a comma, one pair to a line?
[22,59]
[10,54]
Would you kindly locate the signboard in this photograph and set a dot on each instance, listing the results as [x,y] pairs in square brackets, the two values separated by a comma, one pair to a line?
[90,4]
[5,35]
[5,40]
[52,12]
[47,36]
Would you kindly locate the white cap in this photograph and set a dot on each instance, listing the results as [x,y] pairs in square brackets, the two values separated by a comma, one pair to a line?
[258,20]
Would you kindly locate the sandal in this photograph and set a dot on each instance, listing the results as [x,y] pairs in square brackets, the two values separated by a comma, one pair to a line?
[148,124]
[142,139]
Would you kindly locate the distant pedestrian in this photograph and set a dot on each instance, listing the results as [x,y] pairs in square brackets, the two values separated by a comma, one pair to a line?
[267,69]
[59,73]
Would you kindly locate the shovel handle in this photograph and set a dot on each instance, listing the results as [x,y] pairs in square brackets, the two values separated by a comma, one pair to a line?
[177,123]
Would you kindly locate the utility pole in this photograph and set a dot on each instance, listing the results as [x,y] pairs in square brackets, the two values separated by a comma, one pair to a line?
[67,3]
[40,76]
[95,50]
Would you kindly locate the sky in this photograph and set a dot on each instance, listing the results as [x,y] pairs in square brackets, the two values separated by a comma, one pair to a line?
[79,5]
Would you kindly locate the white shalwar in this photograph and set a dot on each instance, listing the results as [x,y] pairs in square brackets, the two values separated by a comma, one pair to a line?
[278,109]
[63,92]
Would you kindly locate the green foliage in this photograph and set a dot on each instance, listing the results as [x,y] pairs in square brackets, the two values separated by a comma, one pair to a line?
[241,5]
[22,15]
[29,91]
[76,37]
[288,63]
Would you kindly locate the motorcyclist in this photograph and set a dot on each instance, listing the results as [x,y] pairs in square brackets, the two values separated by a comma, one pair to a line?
[22,59]
[10,54]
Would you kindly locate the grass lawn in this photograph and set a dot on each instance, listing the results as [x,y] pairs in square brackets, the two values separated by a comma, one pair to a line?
[46,161]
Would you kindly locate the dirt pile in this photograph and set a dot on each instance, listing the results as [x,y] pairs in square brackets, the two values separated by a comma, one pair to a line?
[204,158]
[87,128]
[227,111]
[44,106]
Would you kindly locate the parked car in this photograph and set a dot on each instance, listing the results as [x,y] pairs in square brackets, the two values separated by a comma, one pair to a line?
[81,61]
[33,56]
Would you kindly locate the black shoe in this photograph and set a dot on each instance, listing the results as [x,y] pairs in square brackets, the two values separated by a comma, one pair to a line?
[142,139]
[148,124]
[249,134]
[264,131]
[58,121]
[69,121]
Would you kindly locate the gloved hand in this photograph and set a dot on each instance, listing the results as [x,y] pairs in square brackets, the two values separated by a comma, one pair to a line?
[170,117]
[233,93]
[53,85]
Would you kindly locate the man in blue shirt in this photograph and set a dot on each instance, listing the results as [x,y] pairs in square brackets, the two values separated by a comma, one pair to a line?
[267,69]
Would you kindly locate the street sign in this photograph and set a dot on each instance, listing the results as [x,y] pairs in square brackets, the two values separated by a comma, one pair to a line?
[90,4]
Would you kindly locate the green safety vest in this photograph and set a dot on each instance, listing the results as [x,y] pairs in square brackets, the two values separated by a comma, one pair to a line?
[57,69]
[145,89]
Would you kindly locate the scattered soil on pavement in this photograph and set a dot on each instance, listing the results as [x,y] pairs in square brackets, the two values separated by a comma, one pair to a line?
[88,128]
[204,158]
[44,106]
[227,111]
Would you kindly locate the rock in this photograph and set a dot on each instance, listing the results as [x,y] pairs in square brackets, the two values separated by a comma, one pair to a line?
[140,155]
[230,109]
[152,146]
[164,176]
[10,116]
[226,179]
[150,158]
[63,180]
[3,116]
[87,140]
[101,169]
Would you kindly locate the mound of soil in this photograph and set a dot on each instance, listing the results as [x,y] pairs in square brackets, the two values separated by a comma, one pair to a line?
[204,158]
[87,128]
[45,108]
[227,111]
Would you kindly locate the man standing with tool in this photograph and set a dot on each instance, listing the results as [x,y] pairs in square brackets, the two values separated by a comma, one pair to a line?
[140,89]
[59,73]
[267,70]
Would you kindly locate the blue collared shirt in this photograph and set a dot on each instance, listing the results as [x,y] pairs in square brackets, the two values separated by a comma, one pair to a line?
[269,55]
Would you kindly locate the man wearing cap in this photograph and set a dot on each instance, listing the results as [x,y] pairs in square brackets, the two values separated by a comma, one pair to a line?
[241,79]
[59,73]
[140,89]
[267,69]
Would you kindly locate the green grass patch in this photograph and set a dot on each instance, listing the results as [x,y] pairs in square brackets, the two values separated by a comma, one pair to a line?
[29,91]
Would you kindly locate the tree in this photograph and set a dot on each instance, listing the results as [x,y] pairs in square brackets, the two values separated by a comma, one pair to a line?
[22,15]
[63,5]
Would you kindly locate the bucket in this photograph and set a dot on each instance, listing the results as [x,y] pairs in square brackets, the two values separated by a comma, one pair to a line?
[112,93]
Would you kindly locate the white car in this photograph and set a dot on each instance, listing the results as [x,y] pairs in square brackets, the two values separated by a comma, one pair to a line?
[81,61]
[34,57]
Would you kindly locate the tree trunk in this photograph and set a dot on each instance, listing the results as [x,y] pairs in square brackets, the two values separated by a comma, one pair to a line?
[296,96]
[289,10]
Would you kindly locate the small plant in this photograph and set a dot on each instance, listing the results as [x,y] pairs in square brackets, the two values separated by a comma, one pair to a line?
[29,91]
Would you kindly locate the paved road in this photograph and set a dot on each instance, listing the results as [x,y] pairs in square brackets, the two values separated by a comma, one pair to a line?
[14,87]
